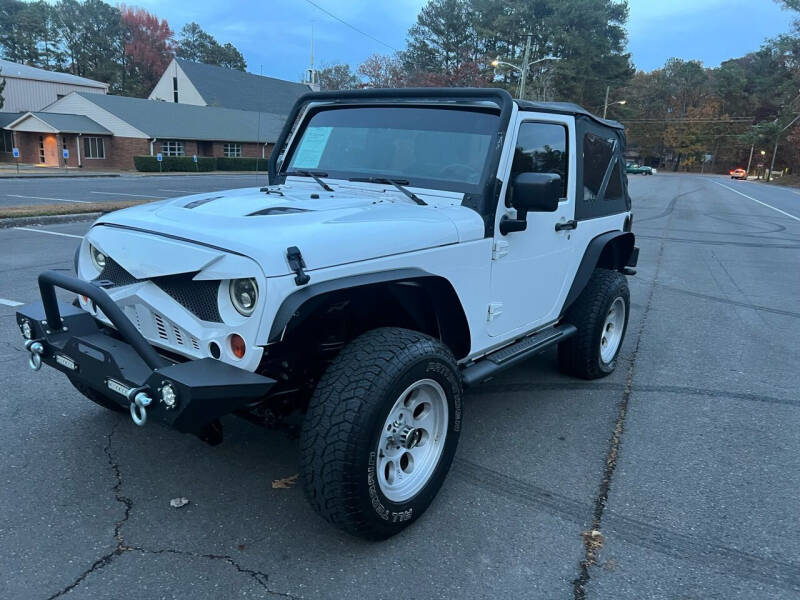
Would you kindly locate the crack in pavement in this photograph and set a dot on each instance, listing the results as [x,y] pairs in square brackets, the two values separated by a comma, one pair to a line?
[121,547]
[593,538]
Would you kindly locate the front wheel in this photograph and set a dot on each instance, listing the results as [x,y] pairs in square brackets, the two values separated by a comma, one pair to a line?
[601,316]
[381,431]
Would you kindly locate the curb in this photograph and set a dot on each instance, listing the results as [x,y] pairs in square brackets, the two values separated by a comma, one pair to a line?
[47,220]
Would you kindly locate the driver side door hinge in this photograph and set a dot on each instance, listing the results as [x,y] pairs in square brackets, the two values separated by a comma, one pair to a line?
[499,249]
[495,310]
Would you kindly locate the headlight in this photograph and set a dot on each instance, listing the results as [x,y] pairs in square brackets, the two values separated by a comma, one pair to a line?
[244,295]
[98,258]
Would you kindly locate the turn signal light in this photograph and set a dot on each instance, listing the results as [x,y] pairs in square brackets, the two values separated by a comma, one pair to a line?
[237,345]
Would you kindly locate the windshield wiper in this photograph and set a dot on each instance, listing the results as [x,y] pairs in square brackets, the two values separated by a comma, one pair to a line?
[398,183]
[314,176]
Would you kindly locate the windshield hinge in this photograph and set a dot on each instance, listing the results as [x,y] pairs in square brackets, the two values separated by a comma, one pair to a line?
[495,310]
[499,249]
[297,264]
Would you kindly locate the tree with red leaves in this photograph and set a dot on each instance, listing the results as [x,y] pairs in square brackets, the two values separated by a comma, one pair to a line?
[149,47]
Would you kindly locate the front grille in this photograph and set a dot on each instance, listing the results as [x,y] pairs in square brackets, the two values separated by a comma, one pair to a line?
[198,297]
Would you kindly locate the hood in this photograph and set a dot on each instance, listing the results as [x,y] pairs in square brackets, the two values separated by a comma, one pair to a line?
[355,222]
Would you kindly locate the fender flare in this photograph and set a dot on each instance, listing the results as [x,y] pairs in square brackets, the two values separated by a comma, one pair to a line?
[621,244]
[316,291]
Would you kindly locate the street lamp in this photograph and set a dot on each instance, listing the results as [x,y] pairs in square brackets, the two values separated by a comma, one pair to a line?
[606,104]
[523,70]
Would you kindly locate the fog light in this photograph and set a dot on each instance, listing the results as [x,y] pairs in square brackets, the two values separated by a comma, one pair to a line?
[169,397]
[26,329]
[237,345]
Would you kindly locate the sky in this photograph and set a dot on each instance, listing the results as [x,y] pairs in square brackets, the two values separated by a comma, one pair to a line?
[274,35]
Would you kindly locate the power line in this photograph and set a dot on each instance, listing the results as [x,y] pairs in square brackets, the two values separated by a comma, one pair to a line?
[353,27]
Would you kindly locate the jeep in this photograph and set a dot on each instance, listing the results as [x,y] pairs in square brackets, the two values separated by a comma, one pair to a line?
[408,244]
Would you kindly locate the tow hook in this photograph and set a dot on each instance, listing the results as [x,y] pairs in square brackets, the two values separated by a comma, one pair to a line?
[36,349]
[139,403]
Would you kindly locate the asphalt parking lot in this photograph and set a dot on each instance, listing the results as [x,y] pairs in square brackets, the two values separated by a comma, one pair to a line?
[686,460]
[71,190]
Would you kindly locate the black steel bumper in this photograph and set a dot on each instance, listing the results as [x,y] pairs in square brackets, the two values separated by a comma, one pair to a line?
[123,366]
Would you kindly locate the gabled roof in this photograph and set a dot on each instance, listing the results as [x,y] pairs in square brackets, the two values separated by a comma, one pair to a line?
[230,88]
[167,120]
[12,69]
[566,108]
[9,117]
[64,123]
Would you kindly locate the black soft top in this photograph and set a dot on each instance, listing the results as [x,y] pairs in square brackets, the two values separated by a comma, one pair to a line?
[566,108]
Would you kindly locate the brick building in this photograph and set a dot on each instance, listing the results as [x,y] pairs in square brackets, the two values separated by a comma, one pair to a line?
[102,131]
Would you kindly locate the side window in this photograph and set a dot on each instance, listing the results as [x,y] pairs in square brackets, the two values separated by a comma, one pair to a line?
[598,153]
[541,148]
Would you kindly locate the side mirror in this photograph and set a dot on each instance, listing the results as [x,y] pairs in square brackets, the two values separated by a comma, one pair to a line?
[532,192]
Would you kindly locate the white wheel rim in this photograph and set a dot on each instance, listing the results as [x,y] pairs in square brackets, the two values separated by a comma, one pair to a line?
[611,336]
[412,440]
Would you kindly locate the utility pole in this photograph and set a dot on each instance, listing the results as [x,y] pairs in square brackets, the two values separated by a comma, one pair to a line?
[525,64]
[750,160]
[775,148]
[605,104]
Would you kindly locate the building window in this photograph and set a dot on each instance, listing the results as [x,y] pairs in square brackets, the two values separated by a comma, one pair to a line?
[230,150]
[6,141]
[94,147]
[41,150]
[172,148]
[175,89]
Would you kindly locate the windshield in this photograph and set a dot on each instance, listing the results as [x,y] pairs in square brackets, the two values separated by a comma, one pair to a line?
[440,148]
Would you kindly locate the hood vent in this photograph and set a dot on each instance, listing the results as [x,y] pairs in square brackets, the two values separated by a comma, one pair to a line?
[277,210]
[196,203]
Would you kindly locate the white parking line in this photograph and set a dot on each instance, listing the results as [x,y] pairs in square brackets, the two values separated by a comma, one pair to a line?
[80,237]
[783,212]
[11,303]
[42,198]
[121,194]
[181,191]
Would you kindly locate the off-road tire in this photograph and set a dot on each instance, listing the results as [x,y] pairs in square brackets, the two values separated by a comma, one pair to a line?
[346,416]
[97,397]
[580,355]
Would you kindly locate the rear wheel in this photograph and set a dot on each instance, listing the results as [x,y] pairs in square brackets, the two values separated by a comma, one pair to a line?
[381,431]
[601,316]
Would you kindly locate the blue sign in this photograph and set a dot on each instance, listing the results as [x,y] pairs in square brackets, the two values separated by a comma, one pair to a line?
[194,157]
[65,153]
[159,157]
[15,152]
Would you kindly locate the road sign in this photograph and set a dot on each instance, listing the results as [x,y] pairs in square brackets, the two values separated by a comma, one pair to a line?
[194,157]
[65,153]
[159,157]
[15,152]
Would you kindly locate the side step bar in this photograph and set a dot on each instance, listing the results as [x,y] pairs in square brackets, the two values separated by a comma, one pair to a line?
[508,356]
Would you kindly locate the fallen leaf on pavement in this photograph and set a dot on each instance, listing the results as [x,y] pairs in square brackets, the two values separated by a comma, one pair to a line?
[285,483]
[178,502]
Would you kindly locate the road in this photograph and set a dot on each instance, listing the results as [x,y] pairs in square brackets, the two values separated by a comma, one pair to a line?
[686,459]
[52,190]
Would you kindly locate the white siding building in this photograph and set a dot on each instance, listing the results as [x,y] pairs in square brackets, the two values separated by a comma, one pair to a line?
[31,89]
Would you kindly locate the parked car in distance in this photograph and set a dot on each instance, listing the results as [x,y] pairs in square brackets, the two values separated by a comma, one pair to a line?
[738,174]
[639,169]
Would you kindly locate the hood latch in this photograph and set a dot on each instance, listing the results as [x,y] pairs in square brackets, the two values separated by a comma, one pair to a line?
[297,264]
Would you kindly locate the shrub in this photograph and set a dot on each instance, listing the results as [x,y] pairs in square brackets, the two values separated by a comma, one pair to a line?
[241,164]
[149,164]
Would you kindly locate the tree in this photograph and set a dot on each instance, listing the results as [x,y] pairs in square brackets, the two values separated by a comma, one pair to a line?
[338,77]
[2,87]
[148,50]
[21,27]
[383,71]
[197,45]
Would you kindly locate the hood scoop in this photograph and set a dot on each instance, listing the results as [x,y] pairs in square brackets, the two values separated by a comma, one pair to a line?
[196,203]
[277,210]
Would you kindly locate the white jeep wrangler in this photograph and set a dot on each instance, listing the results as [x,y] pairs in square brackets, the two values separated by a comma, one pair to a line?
[410,243]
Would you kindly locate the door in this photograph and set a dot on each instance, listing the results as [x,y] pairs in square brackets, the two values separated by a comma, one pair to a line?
[530,268]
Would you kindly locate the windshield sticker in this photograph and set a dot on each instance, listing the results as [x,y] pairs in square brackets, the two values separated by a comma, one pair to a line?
[315,139]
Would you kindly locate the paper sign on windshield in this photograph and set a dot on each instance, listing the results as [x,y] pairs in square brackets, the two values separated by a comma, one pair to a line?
[315,139]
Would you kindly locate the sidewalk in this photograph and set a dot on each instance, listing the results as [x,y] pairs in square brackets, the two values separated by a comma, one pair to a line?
[27,171]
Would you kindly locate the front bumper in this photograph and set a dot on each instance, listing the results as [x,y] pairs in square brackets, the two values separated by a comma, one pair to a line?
[122,366]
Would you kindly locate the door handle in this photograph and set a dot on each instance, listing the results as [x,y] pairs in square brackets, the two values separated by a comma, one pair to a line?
[571,224]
